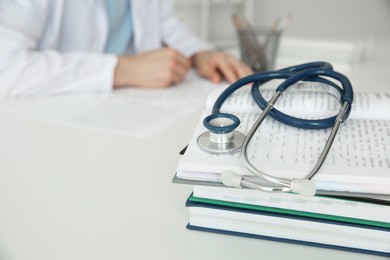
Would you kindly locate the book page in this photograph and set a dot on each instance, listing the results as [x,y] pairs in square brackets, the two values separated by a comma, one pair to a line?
[306,100]
[359,159]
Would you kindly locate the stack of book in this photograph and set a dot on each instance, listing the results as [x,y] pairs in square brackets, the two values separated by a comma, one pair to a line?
[351,210]
[318,221]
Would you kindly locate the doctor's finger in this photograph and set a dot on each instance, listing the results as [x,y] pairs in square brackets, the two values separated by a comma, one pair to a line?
[179,75]
[180,68]
[242,70]
[178,59]
[176,72]
[227,71]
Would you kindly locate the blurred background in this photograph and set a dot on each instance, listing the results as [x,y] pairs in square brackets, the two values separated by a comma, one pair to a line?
[328,20]
[343,32]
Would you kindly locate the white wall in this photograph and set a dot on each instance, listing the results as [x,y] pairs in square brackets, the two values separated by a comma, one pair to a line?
[329,19]
[318,19]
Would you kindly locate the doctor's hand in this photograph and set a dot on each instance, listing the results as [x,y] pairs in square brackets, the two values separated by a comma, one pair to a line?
[155,69]
[218,65]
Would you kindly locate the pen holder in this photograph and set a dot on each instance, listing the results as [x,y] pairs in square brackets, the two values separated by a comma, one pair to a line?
[259,47]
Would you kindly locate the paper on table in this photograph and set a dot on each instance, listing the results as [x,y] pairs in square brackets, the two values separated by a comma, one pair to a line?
[133,111]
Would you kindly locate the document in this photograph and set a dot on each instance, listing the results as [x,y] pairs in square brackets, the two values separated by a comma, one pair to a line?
[132,111]
[359,160]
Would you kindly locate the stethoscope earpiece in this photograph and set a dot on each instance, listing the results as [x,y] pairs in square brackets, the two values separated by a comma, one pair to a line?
[303,187]
[231,179]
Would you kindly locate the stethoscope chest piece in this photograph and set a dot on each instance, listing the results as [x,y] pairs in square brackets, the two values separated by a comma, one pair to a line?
[222,136]
[221,143]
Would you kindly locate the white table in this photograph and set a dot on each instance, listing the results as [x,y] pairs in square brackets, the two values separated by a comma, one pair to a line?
[73,193]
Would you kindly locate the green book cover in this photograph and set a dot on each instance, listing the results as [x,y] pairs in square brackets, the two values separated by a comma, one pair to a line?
[290,212]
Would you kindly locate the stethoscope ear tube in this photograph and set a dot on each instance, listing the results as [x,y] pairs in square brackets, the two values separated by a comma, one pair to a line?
[234,180]
[313,75]
[346,95]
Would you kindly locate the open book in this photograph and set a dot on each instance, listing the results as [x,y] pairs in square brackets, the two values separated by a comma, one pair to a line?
[359,160]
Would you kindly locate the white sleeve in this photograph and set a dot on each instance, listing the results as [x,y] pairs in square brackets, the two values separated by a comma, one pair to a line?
[25,71]
[176,35]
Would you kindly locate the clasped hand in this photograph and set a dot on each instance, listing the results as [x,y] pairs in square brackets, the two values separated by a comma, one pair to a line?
[165,67]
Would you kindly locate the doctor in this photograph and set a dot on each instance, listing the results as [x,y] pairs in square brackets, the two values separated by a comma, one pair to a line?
[50,47]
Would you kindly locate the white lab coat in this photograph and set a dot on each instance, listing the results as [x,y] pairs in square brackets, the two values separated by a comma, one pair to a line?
[49,47]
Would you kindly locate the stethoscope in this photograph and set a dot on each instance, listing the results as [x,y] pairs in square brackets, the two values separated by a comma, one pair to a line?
[222,137]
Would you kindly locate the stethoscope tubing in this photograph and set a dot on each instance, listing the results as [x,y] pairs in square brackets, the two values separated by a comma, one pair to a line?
[308,72]
[292,75]
[263,77]
[346,95]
